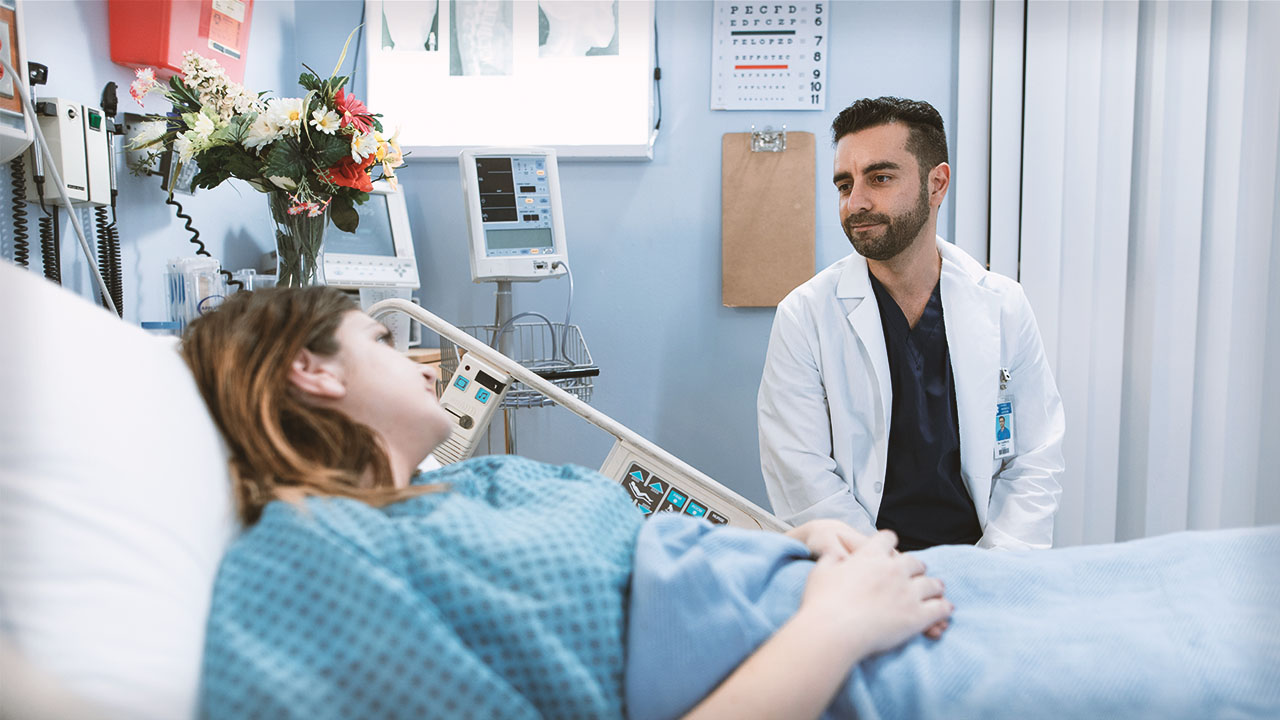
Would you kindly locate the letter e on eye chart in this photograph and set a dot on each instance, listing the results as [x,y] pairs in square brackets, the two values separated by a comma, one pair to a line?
[769,55]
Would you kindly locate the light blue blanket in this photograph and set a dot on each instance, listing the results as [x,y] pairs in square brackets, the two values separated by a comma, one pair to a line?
[1180,626]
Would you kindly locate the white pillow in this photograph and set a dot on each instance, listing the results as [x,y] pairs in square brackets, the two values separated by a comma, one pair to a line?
[114,502]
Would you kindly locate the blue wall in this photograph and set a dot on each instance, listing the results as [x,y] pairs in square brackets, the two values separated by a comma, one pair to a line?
[677,367]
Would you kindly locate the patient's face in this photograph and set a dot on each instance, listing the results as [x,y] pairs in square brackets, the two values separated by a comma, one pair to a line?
[387,391]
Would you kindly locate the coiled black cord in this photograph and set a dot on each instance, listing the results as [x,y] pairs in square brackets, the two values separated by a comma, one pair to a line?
[190,227]
[109,257]
[18,187]
[195,238]
[50,251]
[117,267]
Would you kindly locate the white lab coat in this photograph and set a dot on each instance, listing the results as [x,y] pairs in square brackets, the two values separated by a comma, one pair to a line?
[825,401]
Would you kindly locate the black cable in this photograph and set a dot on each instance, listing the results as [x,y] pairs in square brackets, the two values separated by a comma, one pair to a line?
[109,257]
[189,226]
[657,73]
[195,237]
[117,267]
[230,281]
[50,252]
[18,187]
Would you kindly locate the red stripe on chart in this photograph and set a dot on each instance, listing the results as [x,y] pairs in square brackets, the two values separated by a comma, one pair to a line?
[760,67]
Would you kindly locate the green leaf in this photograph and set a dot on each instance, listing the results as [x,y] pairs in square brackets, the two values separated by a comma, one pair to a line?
[345,218]
[329,149]
[183,97]
[210,177]
[238,129]
[336,83]
[243,165]
[235,131]
[309,81]
[285,159]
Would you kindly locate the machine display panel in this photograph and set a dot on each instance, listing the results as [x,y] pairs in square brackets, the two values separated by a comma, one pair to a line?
[515,205]
[372,236]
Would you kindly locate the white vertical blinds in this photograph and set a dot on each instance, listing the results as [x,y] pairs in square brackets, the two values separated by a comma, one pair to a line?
[1147,243]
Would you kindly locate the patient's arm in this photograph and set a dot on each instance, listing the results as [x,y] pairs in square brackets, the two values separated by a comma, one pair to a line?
[854,606]
[826,536]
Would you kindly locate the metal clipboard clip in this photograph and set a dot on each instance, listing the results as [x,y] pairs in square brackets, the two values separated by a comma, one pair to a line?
[768,139]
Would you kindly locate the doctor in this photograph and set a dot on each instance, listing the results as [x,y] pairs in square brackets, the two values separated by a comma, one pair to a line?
[887,370]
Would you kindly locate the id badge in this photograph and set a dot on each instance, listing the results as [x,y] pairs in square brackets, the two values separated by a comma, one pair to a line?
[1004,419]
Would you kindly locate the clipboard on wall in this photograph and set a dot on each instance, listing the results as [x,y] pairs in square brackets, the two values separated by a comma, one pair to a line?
[767,215]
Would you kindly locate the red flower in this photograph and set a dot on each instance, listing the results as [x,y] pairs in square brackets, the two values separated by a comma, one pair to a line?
[352,174]
[353,111]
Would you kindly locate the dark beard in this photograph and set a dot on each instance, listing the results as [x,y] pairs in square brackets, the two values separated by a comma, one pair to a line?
[899,231]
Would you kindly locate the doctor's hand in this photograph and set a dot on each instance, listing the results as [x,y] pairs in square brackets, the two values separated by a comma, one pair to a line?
[876,598]
[828,537]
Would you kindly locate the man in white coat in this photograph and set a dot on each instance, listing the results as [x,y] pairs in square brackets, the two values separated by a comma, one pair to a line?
[887,372]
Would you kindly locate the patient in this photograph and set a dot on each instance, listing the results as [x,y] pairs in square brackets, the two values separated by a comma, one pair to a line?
[498,586]
[501,587]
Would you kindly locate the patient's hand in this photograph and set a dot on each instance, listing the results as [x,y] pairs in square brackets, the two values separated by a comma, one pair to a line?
[828,537]
[875,597]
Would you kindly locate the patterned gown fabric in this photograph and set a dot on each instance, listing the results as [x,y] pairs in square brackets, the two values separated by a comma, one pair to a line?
[1183,626]
[503,597]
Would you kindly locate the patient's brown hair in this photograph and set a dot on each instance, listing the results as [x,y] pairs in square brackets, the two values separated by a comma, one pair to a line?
[240,355]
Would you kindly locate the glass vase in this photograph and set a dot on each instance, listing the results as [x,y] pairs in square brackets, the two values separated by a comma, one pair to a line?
[299,229]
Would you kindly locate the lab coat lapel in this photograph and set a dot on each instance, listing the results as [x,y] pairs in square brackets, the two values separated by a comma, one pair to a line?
[972,316]
[854,293]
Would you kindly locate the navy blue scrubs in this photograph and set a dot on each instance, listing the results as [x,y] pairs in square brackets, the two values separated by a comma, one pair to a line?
[925,500]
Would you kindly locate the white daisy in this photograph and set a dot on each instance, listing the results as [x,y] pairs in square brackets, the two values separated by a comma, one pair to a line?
[362,146]
[204,127]
[185,147]
[261,132]
[286,114]
[325,121]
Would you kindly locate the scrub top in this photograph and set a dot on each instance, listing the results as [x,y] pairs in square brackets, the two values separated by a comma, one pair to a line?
[925,500]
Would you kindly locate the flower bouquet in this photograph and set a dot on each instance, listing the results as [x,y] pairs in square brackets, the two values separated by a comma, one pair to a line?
[315,156]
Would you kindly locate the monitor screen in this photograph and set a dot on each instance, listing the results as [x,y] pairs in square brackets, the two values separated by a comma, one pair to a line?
[515,205]
[372,236]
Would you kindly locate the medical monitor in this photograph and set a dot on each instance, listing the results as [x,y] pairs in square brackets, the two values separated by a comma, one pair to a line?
[379,254]
[514,220]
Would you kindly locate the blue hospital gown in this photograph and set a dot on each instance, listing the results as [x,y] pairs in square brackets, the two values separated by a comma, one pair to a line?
[502,598]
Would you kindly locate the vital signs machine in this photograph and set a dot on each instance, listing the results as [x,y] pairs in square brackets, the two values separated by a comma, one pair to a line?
[514,220]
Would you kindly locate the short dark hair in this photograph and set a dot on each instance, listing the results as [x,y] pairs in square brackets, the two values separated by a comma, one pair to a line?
[927,139]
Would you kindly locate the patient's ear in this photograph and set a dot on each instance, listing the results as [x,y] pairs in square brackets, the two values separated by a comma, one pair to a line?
[317,376]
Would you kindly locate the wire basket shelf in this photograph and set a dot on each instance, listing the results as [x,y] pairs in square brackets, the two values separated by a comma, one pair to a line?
[537,346]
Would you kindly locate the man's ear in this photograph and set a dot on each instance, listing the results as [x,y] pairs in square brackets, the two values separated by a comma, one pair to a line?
[317,376]
[939,183]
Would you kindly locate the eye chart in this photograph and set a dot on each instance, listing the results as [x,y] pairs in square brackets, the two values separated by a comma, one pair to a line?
[769,55]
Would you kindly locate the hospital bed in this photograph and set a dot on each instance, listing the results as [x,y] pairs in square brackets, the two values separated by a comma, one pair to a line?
[115,510]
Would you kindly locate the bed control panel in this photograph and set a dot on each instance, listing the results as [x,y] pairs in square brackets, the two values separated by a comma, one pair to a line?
[655,487]
[472,397]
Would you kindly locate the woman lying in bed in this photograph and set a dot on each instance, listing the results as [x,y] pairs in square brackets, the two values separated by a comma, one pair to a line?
[501,587]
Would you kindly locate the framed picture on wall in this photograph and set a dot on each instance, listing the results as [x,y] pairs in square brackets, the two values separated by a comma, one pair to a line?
[575,75]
